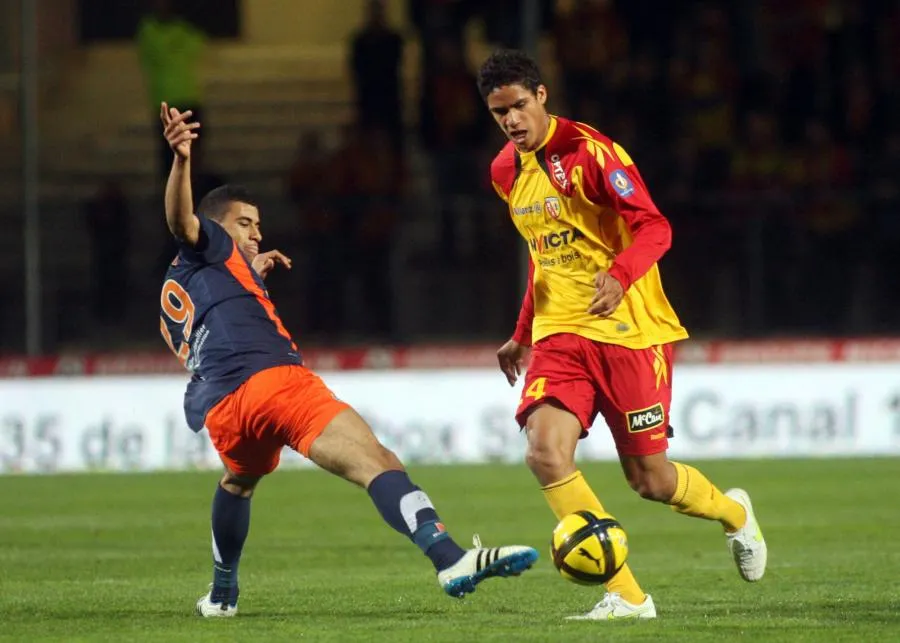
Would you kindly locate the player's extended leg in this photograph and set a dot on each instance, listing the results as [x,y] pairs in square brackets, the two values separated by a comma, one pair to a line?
[553,434]
[689,492]
[348,448]
[635,393]
[230,525]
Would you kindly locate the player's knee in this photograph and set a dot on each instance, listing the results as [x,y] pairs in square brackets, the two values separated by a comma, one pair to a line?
[651,485]
[547,461]
[239,485]
[375,462]
[387,458]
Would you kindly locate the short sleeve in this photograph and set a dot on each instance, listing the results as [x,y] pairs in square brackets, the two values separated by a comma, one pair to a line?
[214,245]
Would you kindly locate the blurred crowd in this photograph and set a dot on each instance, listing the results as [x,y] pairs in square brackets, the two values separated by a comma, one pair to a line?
[764,130]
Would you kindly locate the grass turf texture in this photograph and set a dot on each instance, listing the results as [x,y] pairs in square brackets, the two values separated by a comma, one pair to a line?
[124,558]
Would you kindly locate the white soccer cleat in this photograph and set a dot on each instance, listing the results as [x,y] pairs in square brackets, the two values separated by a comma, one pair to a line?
[485,562]
[221,608]
[613,607]
[747,545]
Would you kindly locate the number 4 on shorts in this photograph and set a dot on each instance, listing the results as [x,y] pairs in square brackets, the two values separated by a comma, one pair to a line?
[535,390]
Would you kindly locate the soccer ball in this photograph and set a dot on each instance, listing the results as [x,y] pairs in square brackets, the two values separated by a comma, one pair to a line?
[588,547]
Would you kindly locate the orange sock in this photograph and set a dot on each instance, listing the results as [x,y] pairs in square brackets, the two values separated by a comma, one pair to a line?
[571,494]
[696,496]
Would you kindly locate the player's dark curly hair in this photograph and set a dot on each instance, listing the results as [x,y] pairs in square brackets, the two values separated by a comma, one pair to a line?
[217,201]
[508,67]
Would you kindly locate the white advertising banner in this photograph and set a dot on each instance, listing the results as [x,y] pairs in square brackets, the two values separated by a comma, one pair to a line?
[136,423]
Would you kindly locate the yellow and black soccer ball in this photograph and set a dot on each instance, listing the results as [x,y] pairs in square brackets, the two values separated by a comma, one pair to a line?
[588,547]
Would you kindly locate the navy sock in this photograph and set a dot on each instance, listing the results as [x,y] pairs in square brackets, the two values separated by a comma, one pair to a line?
[230,524]
[408,510]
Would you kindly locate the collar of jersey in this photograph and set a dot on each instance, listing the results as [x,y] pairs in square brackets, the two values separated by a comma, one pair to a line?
[551,130]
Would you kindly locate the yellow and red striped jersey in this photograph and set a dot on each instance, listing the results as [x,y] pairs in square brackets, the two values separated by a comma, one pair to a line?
[581,206]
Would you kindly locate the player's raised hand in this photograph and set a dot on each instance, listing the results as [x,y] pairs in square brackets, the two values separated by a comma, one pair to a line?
[608,297]
[177,129]
[511,357]
[265,262]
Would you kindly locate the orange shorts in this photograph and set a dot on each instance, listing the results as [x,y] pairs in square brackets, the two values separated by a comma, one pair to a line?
[631,388]
[280,406]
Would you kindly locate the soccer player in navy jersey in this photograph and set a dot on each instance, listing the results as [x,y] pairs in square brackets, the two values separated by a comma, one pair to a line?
[250,390]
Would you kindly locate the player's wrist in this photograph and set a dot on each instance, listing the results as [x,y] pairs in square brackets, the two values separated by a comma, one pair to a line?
[522,335]
[618,273]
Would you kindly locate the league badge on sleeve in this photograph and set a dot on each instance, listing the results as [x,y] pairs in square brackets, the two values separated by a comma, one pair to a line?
[621,183]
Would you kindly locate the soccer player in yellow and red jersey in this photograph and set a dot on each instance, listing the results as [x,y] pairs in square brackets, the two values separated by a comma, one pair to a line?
[597,320]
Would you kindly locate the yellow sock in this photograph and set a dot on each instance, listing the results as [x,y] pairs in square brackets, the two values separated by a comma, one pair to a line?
[696,496]
[571,494]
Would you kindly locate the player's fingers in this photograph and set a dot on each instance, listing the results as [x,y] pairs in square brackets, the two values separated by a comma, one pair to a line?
[183,138]
[281,258]
[182,118]
[173,128]
[597,307]
[185,135]
[178,125]
[177,118]
[513,370]
[163,112]
[605,307]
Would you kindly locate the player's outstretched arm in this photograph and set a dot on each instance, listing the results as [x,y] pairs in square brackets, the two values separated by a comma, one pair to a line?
[179,201]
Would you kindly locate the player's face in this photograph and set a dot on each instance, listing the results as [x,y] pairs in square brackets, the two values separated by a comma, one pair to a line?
[521,114]
[242,224]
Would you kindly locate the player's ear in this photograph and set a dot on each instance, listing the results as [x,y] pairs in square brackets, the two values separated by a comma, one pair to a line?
[541,94]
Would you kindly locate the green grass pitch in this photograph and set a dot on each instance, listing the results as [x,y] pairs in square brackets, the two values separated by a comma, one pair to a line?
[124,558]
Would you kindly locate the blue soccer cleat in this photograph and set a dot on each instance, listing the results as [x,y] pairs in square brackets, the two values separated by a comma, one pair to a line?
[485,562]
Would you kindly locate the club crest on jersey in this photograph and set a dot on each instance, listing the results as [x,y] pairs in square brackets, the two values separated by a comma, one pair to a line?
[552,207]
[621,183]
[558,172]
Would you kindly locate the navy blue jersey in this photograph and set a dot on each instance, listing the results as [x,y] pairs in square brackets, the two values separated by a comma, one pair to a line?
[216,316]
